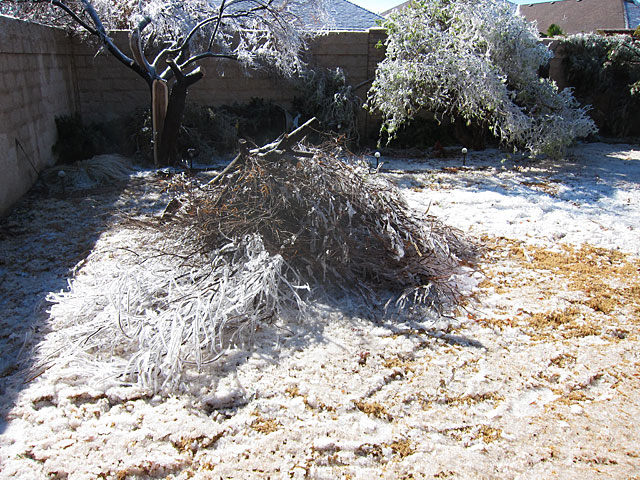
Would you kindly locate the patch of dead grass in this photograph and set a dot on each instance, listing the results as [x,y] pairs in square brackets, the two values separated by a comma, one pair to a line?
[193,444]
[483,432]
[489,434]
[474,399]
[294,391]
[569,323]
[374,409]
[564,360]
[601,285]
[547,187]
[402,448]
[265,425]
[396,362]
[573,397]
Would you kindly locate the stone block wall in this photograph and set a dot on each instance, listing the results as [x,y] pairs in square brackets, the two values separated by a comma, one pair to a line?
[226,82]
[107,89]
[36,85]
[44,73]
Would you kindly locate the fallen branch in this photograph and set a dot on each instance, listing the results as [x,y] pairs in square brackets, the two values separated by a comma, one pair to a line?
[283,145]
[251,246]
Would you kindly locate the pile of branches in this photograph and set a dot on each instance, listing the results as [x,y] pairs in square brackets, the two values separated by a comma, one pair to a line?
[335,222]
[247,248]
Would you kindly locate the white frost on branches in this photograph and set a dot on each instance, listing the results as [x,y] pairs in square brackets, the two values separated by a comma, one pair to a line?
[477,61]
[254,32]
[158,322]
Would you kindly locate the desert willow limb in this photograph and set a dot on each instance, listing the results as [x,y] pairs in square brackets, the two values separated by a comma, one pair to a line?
[280,146]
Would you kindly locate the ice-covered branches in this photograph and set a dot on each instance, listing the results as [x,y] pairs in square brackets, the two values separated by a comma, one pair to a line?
[251,31]
[168,40]
[241,253]
[478,62]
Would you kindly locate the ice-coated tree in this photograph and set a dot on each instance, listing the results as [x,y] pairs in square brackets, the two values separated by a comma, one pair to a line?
[476,61]
[170,39]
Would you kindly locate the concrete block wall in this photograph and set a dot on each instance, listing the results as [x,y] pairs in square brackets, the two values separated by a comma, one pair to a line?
[556,67]
[44,73]
[226,82]
[107,89]
[36,85]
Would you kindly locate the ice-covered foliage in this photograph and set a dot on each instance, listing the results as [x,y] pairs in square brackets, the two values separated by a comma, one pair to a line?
[477,61]
[251,31]
[243,254]
[156,320]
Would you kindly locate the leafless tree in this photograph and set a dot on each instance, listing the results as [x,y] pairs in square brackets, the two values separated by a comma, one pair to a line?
[170,39]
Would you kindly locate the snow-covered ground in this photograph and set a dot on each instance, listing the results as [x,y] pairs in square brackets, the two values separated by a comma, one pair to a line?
[537,377]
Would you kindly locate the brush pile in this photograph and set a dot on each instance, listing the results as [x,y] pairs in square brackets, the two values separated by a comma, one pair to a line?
[246,249]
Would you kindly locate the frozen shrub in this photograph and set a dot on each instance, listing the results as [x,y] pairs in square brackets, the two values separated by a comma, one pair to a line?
[477,61]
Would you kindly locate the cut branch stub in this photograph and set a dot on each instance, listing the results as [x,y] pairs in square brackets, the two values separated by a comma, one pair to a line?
[242,144]
[287,141]
[277,149]
[159,102]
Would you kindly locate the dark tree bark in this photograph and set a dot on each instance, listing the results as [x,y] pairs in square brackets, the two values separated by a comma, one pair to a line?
[168,148]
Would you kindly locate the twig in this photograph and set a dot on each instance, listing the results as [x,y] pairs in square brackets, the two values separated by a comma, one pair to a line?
[242,154]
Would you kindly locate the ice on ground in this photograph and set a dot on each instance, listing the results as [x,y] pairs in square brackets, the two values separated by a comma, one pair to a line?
[484,395]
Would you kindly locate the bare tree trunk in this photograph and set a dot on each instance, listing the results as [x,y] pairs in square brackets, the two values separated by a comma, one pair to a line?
[167,152]
[159,102]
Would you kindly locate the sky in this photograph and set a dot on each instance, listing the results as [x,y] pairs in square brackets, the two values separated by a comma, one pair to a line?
[377,6]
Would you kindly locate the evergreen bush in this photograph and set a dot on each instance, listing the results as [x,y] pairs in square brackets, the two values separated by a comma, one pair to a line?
[605,72]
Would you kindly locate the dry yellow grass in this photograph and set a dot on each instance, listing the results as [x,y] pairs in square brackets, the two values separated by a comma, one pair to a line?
[402,448]
[589,289]
[374,409]
[265,425]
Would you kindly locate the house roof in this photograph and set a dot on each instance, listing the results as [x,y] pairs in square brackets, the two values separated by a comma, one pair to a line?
[343,15]
[396,8]
[349,16]
[632,8]
[577,16]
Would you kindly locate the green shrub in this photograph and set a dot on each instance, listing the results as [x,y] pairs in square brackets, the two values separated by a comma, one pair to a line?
[554,31]
[423,132]
[205,131]
[211,130]
[605,73]
[79,141]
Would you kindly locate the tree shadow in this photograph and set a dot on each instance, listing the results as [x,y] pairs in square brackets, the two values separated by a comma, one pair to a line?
[48,236]
[50,232]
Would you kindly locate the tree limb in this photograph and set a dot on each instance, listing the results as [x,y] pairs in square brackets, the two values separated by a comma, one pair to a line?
[242,143]
[135,43]
[101,33]
[76,18]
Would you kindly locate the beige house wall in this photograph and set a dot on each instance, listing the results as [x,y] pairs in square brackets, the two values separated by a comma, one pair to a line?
[576,16]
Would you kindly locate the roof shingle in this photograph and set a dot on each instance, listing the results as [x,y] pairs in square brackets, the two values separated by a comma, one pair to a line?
[343,15]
